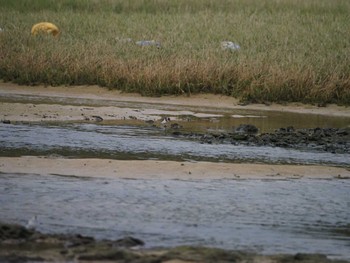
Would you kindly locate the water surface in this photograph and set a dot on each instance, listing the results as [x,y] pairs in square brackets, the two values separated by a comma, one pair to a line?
[266,121]
[265,216]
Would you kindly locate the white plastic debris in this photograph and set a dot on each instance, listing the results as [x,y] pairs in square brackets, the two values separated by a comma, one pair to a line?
[229,45]
[123,40]
[144,43]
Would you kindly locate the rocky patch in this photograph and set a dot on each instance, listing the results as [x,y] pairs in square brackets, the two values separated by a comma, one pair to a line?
[331,140]
[17,244]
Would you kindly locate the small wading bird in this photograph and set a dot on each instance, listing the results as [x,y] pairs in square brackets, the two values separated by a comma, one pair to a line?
[45,28]
[31,224]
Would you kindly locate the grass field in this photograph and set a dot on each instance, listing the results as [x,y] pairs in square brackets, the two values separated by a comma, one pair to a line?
[291,50]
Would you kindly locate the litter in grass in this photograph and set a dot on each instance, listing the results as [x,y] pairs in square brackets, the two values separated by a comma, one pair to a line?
[45,28]
[124,40]
[144,43]
[229,45]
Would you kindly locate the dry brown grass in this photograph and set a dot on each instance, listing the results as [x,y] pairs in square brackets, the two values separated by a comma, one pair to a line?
[291,50]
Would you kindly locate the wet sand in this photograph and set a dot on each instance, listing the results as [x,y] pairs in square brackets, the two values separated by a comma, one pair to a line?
[57,112]
[152,169]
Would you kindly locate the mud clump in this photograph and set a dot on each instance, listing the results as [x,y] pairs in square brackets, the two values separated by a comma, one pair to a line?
[129,242]
[12,231]
[17,244]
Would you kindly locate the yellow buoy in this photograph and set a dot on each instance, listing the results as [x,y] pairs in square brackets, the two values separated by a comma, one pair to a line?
[46,28]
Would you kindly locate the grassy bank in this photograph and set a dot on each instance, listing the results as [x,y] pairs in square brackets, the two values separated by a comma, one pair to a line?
[291,50]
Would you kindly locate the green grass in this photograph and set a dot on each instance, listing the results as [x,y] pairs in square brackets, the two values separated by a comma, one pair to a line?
[291,50]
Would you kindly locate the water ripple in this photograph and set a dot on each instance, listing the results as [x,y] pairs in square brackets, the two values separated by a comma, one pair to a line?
[285,216]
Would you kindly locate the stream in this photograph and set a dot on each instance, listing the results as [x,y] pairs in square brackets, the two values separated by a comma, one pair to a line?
[142,142]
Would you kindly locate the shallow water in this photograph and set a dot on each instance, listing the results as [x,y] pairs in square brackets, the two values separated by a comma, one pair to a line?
[266,121]
[135,142]
[265,216]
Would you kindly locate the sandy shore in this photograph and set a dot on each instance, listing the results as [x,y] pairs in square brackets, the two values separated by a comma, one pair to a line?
[152,169]
[25,111]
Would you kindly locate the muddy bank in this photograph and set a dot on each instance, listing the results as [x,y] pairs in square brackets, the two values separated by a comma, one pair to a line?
[206,118]
[21,244]
[23,103]
[331,140]
[198,100]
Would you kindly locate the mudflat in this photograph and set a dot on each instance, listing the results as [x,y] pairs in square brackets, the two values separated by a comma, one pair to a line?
[30,110]
[91,104]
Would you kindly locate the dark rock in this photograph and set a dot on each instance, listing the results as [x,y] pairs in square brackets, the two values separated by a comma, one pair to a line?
[302,132]
[6,122]
[175,126]
[252,139]
[246,128]
[97,118]
[289,129]
[239,137]
[129,242]
[177,133]
[12,231]
[342,132]
[78,240]
[109,255]
[203,254]
[20,259]
[321,104]
[314,257]
[207,138]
